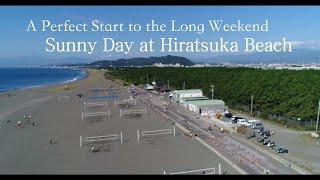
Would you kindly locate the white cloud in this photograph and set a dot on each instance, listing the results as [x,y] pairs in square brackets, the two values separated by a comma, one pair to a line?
[306,44]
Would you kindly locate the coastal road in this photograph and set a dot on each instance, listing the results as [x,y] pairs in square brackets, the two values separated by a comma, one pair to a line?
[243,156]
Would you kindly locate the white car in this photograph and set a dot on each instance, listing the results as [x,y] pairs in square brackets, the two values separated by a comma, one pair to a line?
[255,124]
[244,122]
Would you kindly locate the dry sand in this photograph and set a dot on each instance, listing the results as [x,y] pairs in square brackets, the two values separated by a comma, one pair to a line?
[26,150]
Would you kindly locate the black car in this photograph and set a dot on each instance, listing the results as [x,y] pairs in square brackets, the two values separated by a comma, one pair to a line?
[234,119]
[228,115]
[260,130]
[281,150]
[260,140]
[265,142]
[266,135]
[267,132]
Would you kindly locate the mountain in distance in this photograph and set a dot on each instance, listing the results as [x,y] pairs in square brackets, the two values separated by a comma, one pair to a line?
[142,61]
[298,56]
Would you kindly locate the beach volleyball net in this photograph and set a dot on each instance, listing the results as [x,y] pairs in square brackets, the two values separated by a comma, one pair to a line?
[142,134]
[125,102]
[101,139]
[134,112]
[86,115]
[206,171]
[95,104]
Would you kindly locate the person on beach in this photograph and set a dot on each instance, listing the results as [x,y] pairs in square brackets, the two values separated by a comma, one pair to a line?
[50,141]
[92,148]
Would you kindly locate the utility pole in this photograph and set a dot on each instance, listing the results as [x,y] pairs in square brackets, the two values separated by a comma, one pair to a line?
[168,87]
[184,85]
[318,118]
[147,78]
[251,104]
[212,91]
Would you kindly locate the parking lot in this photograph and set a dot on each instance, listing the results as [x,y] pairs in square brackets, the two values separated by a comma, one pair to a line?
[302,148]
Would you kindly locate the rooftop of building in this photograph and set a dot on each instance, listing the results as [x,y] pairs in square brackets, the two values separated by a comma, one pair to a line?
[207,102]
[188,91]
[195,98]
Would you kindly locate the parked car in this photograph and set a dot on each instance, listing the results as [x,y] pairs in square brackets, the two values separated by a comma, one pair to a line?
[267,132]
[265,142]
[261,133]
[234,119]
[228,115]
[243,122]
[255,124]
[260,130]
[271,144]
[260,140]
[281,150]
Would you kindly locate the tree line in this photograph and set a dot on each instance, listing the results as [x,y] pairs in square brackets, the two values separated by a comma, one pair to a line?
[277,93]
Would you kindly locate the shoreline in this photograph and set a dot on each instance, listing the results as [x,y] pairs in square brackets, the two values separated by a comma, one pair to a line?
[76,79]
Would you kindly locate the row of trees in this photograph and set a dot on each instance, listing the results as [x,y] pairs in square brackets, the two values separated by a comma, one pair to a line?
[277,93]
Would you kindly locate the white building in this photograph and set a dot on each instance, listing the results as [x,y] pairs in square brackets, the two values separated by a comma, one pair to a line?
[179,95]
[207,107]
[167,65]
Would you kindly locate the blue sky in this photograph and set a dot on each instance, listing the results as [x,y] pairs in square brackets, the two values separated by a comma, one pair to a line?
[296,23]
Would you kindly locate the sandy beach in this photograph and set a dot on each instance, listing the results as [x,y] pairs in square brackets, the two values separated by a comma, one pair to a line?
[27,149]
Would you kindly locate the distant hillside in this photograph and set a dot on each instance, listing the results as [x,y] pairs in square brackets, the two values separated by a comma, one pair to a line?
[141,61]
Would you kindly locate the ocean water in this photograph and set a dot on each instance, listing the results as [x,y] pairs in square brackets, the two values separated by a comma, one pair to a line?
[20,78]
